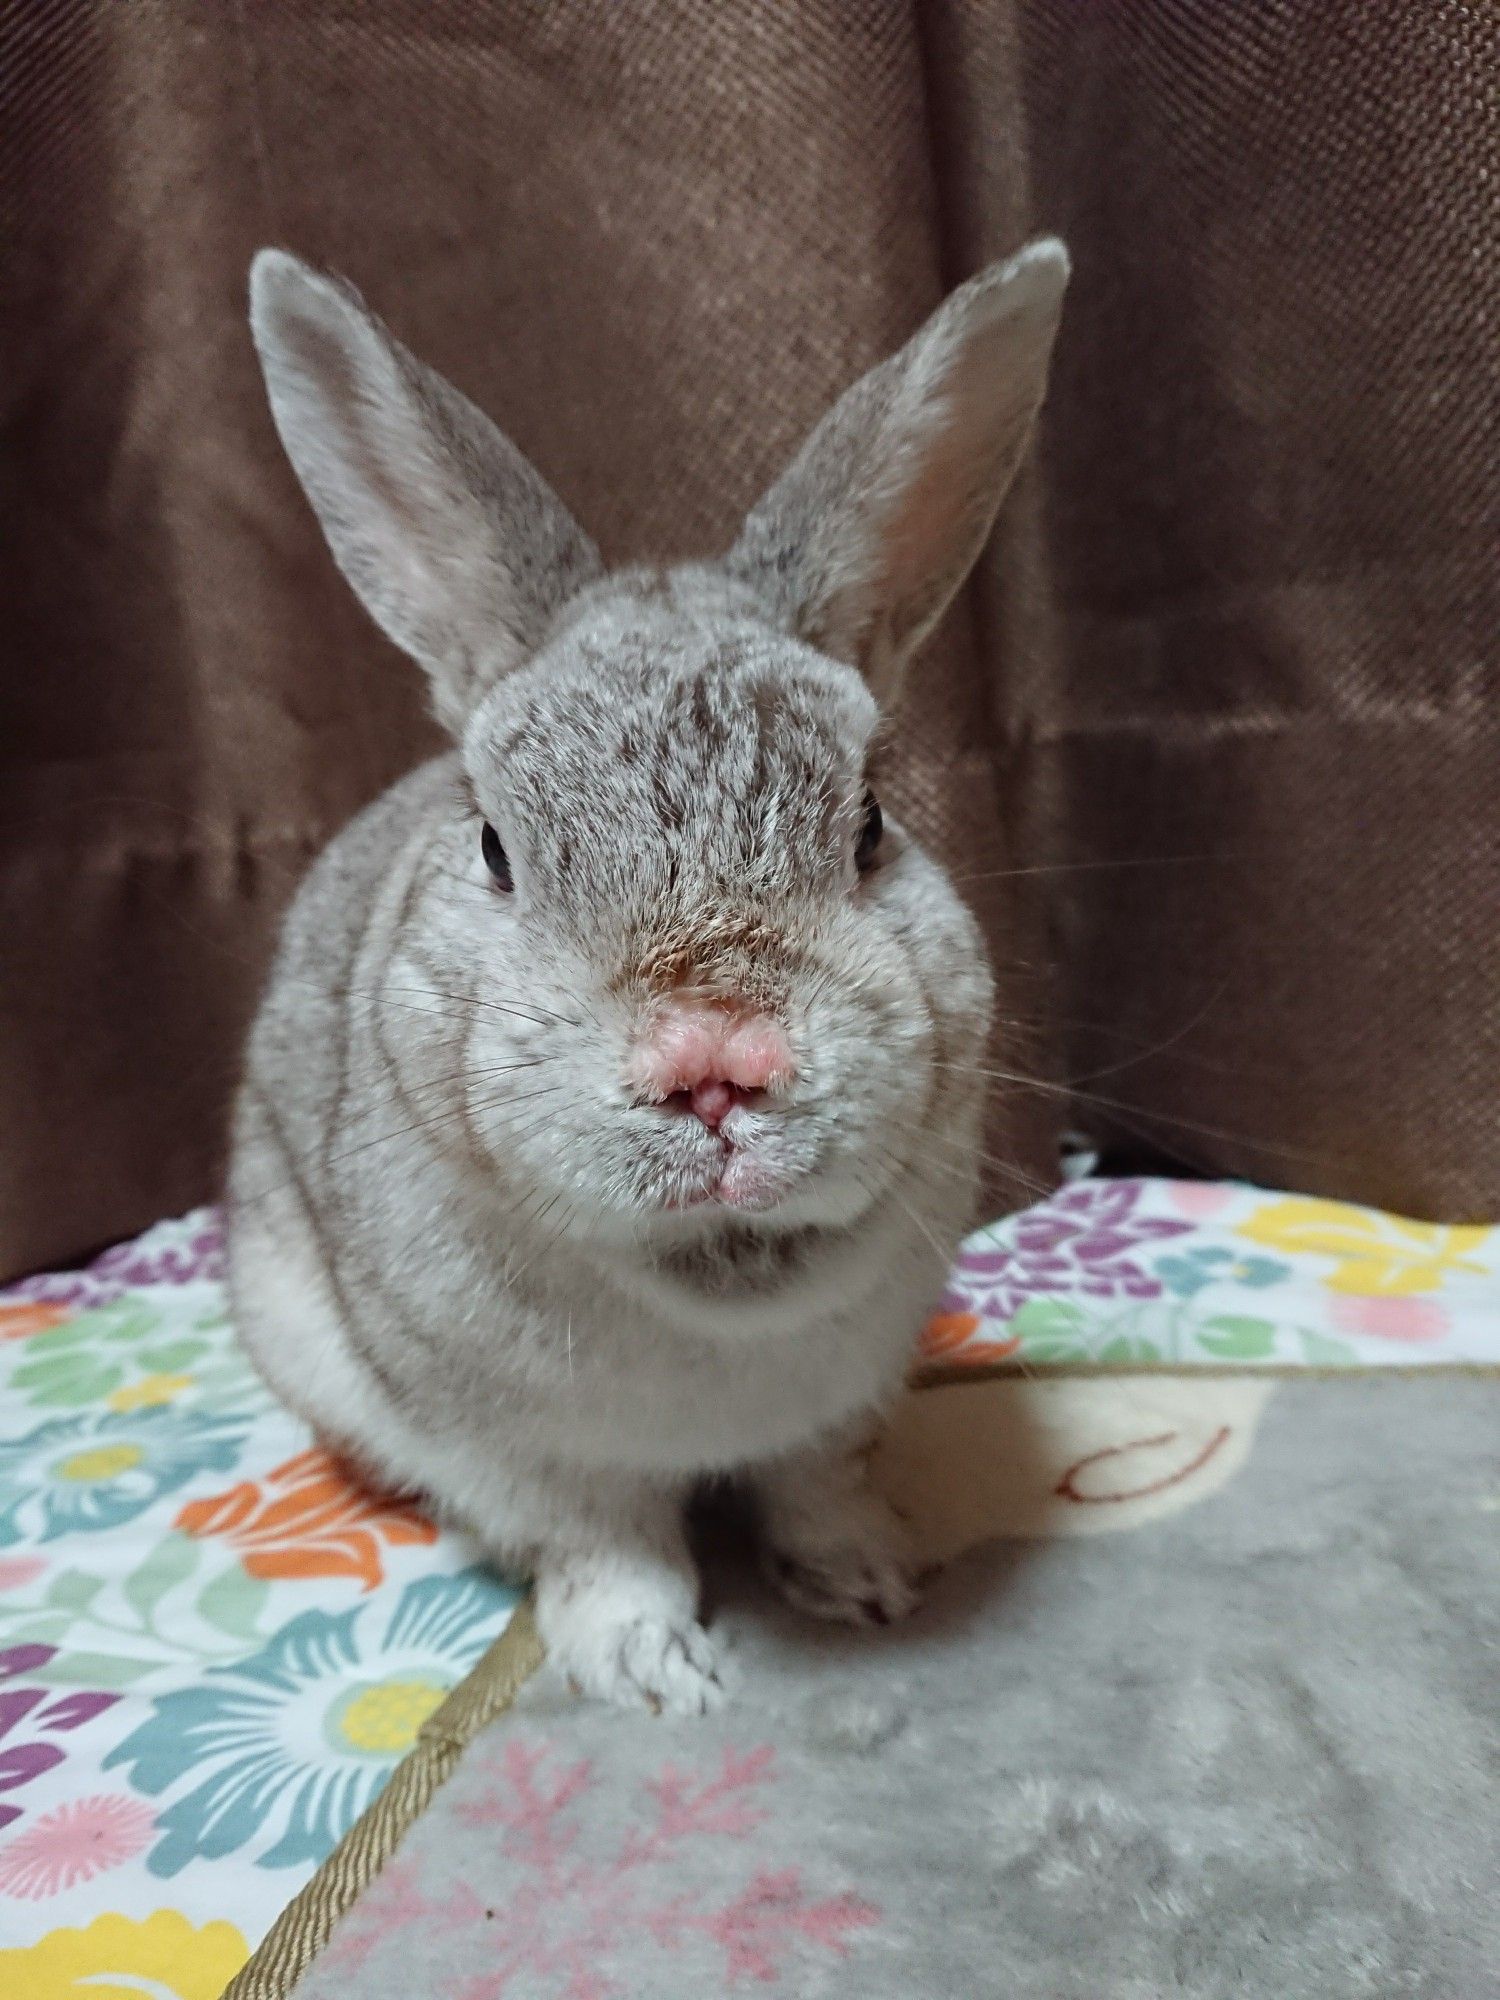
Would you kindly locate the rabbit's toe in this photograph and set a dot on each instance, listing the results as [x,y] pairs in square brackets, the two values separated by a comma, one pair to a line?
[858,1570]
[647,1662]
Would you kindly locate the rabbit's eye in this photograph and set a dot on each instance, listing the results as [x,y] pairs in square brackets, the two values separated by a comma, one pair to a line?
[495,857]
[868,844]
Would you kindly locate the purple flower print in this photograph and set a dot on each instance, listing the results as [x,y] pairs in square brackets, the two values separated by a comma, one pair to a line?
[174,1253]
[198,1254]
[47,1713]
[1078,1244]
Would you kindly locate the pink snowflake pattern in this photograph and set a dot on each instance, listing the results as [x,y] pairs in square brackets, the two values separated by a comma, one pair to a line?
[567,1912]
[398,1904]
[73,1843]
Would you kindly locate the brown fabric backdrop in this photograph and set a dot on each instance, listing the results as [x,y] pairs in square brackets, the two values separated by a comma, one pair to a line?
[1214,742]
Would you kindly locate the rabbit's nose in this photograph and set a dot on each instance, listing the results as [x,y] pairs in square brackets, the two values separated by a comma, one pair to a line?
[711,1057]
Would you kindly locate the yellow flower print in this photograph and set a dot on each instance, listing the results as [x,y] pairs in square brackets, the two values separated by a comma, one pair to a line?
[1375,1255]
[150,1391]
[121,1958]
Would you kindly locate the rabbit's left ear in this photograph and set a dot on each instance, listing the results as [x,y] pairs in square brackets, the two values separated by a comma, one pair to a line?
[860,545]
[455,544]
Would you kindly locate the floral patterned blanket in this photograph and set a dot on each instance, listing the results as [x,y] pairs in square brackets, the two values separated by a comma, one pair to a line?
[215,1647]
[1158,1273]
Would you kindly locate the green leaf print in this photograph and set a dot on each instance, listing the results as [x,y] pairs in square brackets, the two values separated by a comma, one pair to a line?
[92,1355]
[1322,1352]
[67,1380]
[73,1590]
[1128,1347]
[166,1566]
[1051,1332]
[40,1628]
[233,1601]
[1232,1337]
[170,1357]
[1048,1319]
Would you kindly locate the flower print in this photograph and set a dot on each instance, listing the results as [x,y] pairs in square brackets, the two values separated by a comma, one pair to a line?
[1082,1242]
[1186,1274]
[150,1392]
[190,1251]
[1374,1254]
[184,1252]
[93,1353]
[946,1331]
[313,1517]
[17,1571]
[1414,1320]
[100,1470]
[21,1320]
[294,1742]
[949,1337]
[1257,1272]
[164,1955]
[33,1717]
[73,1843]
[1200,1201]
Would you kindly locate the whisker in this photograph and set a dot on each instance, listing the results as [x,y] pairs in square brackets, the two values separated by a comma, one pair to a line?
[1158,1048]
[1103,867]
[1121,1107]
[449,1116]
[542,1017]
[514,1277]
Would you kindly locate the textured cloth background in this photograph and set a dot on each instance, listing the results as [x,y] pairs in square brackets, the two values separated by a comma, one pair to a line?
[1213,743]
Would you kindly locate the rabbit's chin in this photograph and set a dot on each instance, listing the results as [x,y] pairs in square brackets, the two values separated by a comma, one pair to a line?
[747,1194]
[744,1184]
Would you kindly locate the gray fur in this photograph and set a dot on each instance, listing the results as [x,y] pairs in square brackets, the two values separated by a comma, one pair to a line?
[449,1242]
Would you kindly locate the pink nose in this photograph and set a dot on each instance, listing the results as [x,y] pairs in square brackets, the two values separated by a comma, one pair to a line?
[711,1055]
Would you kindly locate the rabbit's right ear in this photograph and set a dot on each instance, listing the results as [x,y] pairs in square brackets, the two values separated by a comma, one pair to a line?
[860,545]
[457,547]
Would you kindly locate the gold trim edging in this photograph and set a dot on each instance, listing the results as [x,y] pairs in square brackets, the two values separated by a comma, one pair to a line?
[307,1922]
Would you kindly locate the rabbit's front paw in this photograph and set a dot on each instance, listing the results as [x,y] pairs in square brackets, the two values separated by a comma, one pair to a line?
[852,1564]
[630,1637]
[648,1662]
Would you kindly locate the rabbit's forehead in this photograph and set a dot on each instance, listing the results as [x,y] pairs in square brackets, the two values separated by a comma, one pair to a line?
[691,733]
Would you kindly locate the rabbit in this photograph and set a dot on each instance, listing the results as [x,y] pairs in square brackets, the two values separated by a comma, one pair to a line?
[611,1113]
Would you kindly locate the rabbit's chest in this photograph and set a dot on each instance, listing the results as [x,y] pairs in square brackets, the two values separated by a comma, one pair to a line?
[700,1404]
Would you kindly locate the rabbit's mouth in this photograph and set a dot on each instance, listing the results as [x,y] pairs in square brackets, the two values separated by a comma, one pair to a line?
[743,1158]
[738,1180]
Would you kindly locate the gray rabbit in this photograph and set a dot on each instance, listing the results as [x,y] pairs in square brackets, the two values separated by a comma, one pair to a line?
[612,1114]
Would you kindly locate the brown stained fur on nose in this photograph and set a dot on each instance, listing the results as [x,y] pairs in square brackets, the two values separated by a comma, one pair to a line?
[739,958]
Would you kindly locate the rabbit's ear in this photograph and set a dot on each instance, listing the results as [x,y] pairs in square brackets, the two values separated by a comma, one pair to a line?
[457,547]
[859,547]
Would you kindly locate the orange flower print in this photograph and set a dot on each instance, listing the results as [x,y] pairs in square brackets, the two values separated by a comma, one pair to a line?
[950,1337]
[310,1517]
[19,1322]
